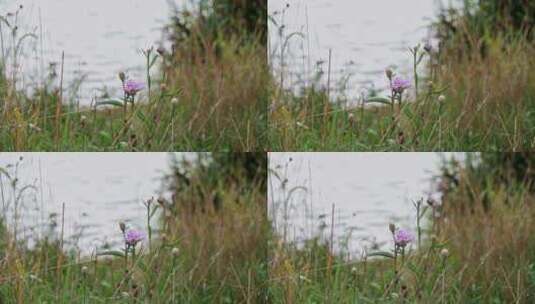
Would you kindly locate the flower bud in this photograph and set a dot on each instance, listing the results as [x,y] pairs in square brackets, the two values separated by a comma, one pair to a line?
[122,76]
[389,74]
[122,225]
[392,228]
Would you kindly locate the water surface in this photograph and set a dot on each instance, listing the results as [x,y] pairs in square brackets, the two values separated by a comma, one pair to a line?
[100,38]
[368,191]
[99,190]
[365,37]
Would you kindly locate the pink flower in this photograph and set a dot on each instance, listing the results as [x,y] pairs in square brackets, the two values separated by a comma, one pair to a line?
[400,84]
[403,237]
[133,237]
[132,87]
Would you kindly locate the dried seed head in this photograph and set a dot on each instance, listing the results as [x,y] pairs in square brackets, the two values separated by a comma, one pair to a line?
[174,100]
[444,252]
[175,251]
[441,98]
[34,127]
[428,47]
[85,269]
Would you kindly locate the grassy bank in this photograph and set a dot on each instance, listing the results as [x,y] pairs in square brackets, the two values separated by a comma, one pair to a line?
[209,95]
[207,245]
[477,93]
[477,246]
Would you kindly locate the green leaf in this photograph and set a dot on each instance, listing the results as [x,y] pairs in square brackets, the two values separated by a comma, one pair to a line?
[111,102]
[105,136]
[147,122]
[153,211]
[414,268]
[153,61]
[115,253]
[382,100]
[382,254]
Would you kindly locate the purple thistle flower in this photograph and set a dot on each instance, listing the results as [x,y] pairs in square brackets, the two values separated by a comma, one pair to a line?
[400,84]
[131,87]
[403,237]
[133,237]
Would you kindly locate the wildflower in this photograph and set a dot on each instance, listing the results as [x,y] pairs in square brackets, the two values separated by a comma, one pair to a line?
[133,237]
[131,87]
[400,84]
[403,237]
[85,270]
[161,50]
[441,98]
[175,251]
[174,100]
[444,252]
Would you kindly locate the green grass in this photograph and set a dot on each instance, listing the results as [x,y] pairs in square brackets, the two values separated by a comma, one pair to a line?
[479,248]
[215,73]
[208,246]
[487,80]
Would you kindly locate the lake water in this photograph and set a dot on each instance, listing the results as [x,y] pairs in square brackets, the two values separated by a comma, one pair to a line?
[365,38]
[100,38]
[368,190]
[98,189]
